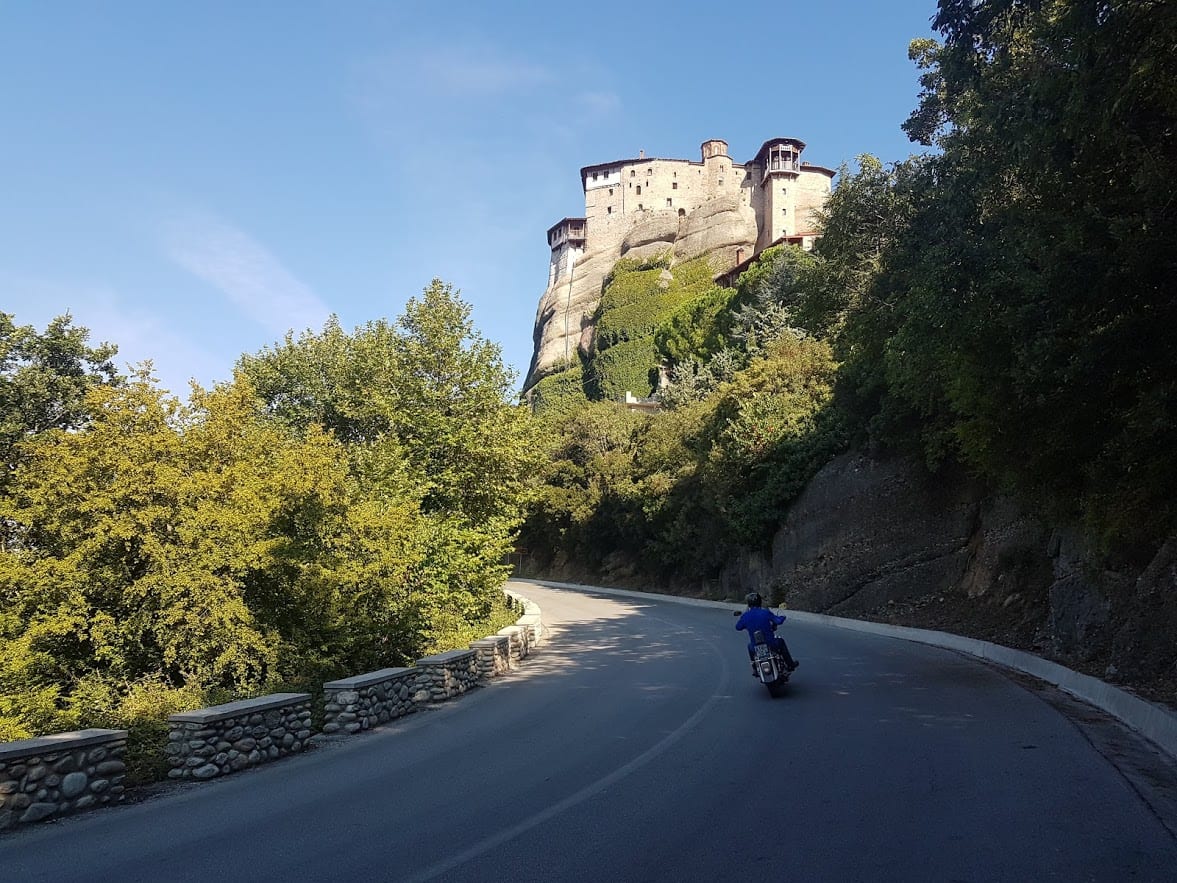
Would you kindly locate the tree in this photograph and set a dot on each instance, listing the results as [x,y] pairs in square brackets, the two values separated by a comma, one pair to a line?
[428,397]
[44,379]
[1022,312]
[429,384]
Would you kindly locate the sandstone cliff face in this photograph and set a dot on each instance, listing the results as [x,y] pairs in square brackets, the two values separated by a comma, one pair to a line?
[881,538]
[719,226]
[564,319]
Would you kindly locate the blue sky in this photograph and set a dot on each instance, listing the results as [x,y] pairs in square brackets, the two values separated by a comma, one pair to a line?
[192,180]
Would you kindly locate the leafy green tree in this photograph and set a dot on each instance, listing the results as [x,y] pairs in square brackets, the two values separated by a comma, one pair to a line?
[695,330]
[44,379]
[133,542]
[427,396]
[430,384]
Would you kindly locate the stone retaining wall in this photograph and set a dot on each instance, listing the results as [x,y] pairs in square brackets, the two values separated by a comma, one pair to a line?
[59,774]
[493,655]
[448,674]
[531,619]
[54,775]
[361,702]
[226,738]
[519,646]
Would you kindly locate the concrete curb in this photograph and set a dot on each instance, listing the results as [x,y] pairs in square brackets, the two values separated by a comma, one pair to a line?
[1155,723]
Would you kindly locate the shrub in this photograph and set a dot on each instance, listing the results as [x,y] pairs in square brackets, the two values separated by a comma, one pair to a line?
[560,393]
[630,366]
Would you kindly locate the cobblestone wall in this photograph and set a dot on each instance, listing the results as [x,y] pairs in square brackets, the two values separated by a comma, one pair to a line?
[59,774]
[493,655]
[226,738]
[361,702]
[519,642]
[54,775]
[446,675]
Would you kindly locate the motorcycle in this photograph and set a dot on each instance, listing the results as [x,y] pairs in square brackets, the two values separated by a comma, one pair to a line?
[768,663]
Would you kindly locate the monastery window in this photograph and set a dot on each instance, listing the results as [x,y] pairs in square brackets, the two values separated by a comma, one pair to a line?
[639,207]
[682,212]
[649,171]
[669,203]
[674,185]
[632,172]
[639,190]
[608,209]
[610,191]
[721,182]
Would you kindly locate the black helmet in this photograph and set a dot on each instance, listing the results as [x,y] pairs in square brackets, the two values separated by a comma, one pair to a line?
[753,599]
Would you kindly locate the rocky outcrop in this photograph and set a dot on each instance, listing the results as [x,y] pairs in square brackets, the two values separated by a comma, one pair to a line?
[564,320]
[651,235]
[882,538]
[720,225]
[864,531]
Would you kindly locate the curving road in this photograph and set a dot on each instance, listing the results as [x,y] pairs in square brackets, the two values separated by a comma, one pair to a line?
[637,746]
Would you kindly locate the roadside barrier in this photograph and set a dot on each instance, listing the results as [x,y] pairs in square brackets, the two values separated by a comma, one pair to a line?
[51,776]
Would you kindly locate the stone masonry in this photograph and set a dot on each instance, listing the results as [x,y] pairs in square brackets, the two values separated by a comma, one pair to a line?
[445,675]
[493,655]
[60,774]
[361,702]
[226,738]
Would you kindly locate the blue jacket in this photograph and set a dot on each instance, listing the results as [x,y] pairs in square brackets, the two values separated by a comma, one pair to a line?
[758,619]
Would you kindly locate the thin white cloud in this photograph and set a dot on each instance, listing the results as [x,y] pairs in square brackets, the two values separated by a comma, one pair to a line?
[600,103]
[140,336]
[480,72]
[450,72]
[247,273]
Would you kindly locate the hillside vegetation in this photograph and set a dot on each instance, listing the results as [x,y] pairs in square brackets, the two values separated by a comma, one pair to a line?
[1003,302]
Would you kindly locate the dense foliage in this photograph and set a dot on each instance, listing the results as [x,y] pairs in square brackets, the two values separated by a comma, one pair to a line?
[1018,316]
[1004,301]
[343,505]
[44,379]
[638,298]
[749,418]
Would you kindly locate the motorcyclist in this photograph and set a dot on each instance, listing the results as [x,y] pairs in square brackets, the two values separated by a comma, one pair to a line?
[759,618]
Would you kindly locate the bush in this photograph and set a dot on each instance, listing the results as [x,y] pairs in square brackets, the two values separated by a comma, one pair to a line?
[627,367]
[141,708]
[560,393]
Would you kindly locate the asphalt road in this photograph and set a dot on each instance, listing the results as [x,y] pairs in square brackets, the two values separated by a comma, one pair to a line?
[636,745]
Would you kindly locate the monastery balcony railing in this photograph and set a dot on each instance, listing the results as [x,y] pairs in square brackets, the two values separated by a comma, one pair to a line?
[575,235]
[790,167]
